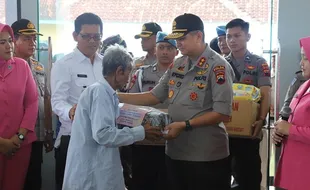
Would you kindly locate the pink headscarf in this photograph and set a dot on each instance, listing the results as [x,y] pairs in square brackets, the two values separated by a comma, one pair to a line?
[6,28]
[305,43]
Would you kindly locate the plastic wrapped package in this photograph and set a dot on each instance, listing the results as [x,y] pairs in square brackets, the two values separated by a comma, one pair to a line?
[132,116]
[246,92]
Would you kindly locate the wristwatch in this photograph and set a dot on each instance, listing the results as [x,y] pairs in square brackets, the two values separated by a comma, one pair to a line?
[188,126]
[20,136]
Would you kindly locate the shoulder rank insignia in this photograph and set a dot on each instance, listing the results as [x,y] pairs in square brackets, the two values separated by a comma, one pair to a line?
[38,68]
[201,61]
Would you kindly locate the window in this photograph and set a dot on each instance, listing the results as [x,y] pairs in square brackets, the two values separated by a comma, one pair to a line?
[8,11]
[122,17]
[2,11]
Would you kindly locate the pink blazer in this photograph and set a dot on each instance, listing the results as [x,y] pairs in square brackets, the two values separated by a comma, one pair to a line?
[18,99]
[293,172]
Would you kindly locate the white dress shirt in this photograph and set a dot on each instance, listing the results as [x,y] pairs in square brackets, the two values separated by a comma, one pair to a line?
[69,77]
[93,160]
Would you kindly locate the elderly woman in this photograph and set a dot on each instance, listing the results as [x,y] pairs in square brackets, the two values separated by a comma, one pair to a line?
[294,164]
[93,160]
[18,114]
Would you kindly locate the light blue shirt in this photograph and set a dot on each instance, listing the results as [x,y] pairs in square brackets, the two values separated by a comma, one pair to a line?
[93,160]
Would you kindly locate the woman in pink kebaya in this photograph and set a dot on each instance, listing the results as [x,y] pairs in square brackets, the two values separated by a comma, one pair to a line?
[293,172]
[18,114]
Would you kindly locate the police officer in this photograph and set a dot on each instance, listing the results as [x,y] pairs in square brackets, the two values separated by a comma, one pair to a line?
[148,43]
[253,70]
[25,45]
[198,87]
[214,45]
[221,36]
[298,80]
[111,40]
[149,158]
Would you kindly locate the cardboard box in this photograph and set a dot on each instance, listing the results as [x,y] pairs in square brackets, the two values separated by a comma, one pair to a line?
[244,114]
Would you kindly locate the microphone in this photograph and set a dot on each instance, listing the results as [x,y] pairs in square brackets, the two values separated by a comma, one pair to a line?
[285,114]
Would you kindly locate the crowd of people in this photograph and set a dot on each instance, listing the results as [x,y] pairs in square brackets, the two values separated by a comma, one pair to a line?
[195,152]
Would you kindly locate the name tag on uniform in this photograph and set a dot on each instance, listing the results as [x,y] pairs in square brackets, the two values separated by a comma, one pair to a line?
[81,75]
[148,82]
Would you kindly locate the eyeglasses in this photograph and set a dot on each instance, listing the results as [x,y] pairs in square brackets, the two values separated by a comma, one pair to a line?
[96,37]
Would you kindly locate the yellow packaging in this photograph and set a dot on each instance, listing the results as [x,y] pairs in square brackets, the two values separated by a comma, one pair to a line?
[245,108]
[246,92]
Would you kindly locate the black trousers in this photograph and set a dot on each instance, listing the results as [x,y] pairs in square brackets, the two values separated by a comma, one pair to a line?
[188,175]
[246,163]
[60,157]
[126,159]
[34,178]
[148,168]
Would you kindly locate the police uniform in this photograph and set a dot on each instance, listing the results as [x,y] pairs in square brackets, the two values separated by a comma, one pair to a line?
[34,178]
[147,77]
[40,79]
[298,80]
[148,29]
[252,70]
[148,158]
[197,158]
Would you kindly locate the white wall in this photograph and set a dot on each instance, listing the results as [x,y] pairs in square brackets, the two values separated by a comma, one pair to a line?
[293,24]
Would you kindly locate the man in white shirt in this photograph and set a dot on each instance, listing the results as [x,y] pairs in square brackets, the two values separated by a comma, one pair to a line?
[93,160]
[70,76]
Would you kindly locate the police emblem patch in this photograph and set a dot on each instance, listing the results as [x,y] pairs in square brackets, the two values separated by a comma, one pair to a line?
[171,93]
[30,25]
[181,68]
[219,68]
[250,67]
[193,96]
[220,77]
[202,71]
[200,86]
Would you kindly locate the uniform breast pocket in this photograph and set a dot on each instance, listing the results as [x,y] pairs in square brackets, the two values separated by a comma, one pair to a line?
[81,84]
